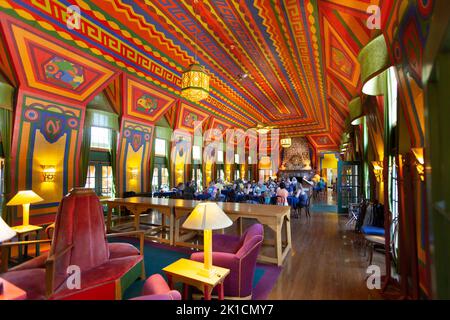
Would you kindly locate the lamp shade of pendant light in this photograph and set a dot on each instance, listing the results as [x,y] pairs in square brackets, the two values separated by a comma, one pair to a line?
[374,60]
[195,83]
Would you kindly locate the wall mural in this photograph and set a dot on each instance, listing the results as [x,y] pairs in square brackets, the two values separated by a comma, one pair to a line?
[187,116]
[45,65]
[134,152]
[297,156]
[49,136]
[144,102]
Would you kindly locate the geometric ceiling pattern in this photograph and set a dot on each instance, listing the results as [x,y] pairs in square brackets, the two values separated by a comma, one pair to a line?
[300,56]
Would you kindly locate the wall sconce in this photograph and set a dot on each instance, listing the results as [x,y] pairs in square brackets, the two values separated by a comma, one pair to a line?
[49,173]
[378,170]
[134,173]
[418,153]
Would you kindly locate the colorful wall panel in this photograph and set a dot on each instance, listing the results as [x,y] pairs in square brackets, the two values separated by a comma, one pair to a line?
[134,150]
[188,115]
[45,134]
[48,66]
[143,101]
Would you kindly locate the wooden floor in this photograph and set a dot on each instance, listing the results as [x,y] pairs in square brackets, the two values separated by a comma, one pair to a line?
[326,262]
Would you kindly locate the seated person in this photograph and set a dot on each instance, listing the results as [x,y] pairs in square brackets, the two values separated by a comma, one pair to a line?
[302,196]
[282,195]
[212,191]
[189,191]
[267,198]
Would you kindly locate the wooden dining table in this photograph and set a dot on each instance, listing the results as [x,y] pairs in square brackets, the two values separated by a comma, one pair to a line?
[275,218]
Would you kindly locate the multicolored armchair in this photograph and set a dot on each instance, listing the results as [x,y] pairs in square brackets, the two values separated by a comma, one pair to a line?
[79,239]
[239,255]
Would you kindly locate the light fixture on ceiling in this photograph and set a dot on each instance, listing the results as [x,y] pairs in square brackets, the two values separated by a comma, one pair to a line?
[286,142]
[195,79]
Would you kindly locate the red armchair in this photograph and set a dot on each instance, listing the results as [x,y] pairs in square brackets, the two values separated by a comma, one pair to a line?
[107,269]
[156,288]
[239,255]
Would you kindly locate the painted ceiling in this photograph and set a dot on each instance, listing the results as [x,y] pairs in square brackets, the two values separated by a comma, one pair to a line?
[300,56]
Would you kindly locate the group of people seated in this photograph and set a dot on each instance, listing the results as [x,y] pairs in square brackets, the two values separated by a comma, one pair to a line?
[273,191]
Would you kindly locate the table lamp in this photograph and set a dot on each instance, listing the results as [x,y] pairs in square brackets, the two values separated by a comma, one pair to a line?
[25,197]
[207,216]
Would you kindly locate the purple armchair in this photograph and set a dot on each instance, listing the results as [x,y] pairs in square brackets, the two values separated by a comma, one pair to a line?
[239,255]
[156,288]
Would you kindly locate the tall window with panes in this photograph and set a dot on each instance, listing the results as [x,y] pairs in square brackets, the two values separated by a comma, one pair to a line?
[100,173]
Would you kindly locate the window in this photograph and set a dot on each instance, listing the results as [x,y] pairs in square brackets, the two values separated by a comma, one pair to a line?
[155,179]
[196,153]
[107,181]
[165,177]
[219,156]
[102,184]
[90,180]
[100,138]
[237,174]
[221,174]
[160,147]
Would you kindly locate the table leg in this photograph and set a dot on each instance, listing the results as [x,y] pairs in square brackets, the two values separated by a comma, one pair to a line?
[207,292]
[185,291]
[137,219]
[171,227]
[108,219]
[279,245]
[25,247]
[38,246]
[20,256]
[221,291]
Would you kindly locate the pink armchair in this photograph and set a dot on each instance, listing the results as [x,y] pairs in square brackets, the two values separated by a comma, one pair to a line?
[239,255]
[156,288]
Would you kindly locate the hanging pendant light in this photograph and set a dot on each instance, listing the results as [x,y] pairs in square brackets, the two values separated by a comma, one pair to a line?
[195,83]
[195,79]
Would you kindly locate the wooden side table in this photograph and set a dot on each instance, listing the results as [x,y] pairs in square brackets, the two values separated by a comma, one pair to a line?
[23,233]
[188,272]
[11,292]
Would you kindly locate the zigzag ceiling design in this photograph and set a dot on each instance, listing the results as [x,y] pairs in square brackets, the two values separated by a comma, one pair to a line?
[299,55]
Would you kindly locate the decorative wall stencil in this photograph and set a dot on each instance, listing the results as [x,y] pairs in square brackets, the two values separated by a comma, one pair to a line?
[45,64]
[188,115]
[63,72]
[321,141]
[297,156]
[134,153]
[49,135]
[341,61]
[145,102]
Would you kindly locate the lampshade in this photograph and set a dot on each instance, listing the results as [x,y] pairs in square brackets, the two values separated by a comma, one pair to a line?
[207,216]
[195,83]
[356,111]
[24,197]
[6,232]
[374,60]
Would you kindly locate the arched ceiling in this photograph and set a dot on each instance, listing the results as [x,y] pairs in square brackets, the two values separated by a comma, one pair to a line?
[300,56]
